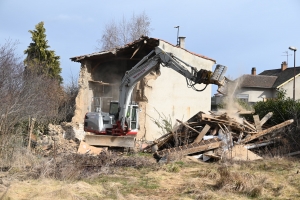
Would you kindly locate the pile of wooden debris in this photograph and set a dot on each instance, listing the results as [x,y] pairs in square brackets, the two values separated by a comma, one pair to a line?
[217,136]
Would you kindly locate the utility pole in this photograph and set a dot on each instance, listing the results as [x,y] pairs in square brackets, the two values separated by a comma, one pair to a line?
[294,49]
[177,35]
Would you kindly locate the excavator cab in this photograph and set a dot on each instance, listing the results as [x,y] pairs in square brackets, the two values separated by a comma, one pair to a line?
[131,116]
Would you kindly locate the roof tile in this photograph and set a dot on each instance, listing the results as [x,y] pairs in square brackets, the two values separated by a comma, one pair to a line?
[258,81]
[282,76]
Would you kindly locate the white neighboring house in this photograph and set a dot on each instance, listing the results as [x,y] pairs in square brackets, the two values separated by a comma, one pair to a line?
[253,88]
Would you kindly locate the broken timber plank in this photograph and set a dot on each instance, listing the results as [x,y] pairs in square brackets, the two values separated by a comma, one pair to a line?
[202,133]
[261,144]
[100,82]
[231,122]
[259,134]
[257,123]
[136,50]
[160,141]
[213,155]
[193,123]
[245,112]
[204,145]
[188,126]
[250,126]
[293,153]
[221,128]
[240,137]
[266,118]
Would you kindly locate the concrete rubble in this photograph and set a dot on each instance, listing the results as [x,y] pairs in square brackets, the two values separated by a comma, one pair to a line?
[217,136]
[55,140]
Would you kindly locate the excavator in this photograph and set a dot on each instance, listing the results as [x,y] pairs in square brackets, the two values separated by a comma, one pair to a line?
[119,127]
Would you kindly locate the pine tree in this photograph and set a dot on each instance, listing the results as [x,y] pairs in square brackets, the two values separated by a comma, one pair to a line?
[40,60]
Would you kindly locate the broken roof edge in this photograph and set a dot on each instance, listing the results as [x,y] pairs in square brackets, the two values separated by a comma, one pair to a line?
[80,58]
[115,50]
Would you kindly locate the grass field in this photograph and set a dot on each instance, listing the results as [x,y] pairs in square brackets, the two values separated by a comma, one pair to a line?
[188,178]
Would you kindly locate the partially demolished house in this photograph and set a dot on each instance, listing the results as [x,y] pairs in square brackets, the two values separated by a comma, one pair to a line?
[161,92]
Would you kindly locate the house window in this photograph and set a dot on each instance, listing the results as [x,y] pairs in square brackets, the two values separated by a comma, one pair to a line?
[243,97]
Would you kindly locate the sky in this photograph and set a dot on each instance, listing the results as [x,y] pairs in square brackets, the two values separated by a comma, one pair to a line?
[239,34]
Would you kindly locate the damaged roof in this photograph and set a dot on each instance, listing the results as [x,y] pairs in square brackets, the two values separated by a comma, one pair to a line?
[282,76]
[146,43]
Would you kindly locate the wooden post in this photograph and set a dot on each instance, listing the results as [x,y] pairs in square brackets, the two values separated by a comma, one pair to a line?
[257,123]
[31,125]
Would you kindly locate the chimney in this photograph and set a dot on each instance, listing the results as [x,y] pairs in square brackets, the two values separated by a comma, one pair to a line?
[182,42]
[283,66]
[253,71]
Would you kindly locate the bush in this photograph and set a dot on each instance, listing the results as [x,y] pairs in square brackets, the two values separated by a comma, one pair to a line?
[283,108]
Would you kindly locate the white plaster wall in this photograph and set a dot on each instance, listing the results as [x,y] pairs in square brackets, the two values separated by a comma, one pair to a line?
[170,96]
[289,88]
[256,94]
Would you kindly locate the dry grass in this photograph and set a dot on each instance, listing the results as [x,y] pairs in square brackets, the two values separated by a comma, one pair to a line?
[137,177]
[53,189]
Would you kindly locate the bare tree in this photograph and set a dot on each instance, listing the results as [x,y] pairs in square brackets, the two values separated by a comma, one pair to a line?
[67,109]
[139,25]
[119,34]
[24,94]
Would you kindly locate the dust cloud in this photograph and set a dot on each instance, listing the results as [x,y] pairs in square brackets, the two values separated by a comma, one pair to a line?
[232,106]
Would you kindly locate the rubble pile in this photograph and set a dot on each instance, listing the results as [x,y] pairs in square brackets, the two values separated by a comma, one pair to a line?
[55,143]
[68,159]
[218,136]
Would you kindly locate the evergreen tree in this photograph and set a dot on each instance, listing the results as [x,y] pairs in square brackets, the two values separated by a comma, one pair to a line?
[40,60]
